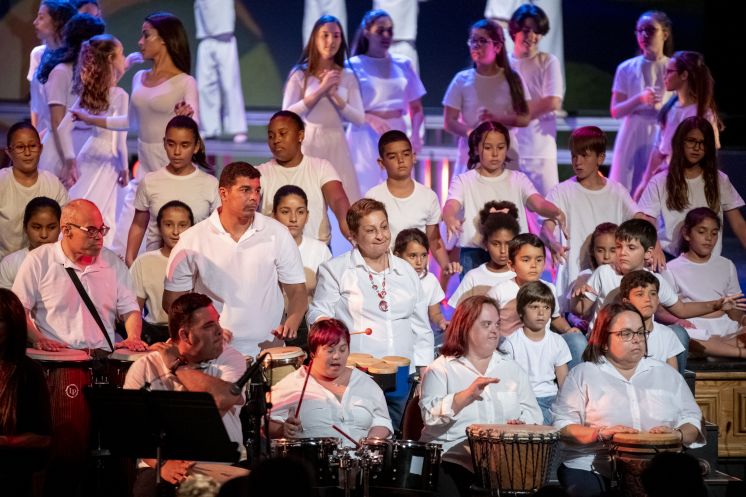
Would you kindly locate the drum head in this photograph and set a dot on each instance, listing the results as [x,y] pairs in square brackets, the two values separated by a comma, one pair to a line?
[280,353]
[127,355]
[644,442]
[396,360]
[64,355]
[366,362]
[520,431]
[382,368]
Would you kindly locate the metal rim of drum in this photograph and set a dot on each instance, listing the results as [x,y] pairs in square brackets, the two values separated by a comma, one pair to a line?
[291,355]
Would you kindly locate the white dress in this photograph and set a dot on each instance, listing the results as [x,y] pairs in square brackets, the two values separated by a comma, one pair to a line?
[325,136]
[101,159]
[386,84]
[636,135]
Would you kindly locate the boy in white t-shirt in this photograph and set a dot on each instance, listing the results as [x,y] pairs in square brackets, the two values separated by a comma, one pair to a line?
[640,288]
[588,199]
[409,204]
[541,352]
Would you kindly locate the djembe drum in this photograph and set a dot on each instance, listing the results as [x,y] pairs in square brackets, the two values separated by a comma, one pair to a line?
[632,453]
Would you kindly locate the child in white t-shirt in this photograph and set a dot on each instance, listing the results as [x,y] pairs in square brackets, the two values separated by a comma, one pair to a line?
[488,179]
[409,204]
[149,269]
[587,199]
[541,352]
[640,289]
[412,246]
[498,225]
[698,274]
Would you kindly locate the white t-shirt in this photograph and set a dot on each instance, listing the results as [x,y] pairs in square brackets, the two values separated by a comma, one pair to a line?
[362,407]
[148,272]
[478,281]
[47,292]
[585,209]
[469,92]
[9,266]
[542,75]
[240,277]
[653,203]
[197,189]
[472,191]
[419,210]
[432,289]
[675,116]
[404,16]
[662,343]
[700,282]
[313,253]
[505,294]
[539,358]
[14,199]
[228,366]
[311,174]
[387,83]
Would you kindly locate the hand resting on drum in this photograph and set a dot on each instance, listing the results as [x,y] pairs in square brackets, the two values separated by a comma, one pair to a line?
[48,344]
[176,472]
[689,433]
[132,344]
[472,393]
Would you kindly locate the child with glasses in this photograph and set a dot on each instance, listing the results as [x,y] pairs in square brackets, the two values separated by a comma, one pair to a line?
[22,182]
[693,180]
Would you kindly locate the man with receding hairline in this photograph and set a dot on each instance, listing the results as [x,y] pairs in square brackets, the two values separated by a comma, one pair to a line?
[56,313]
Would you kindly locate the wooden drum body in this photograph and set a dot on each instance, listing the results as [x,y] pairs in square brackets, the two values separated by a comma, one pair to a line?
[512,459]
[282,361]
[632,453]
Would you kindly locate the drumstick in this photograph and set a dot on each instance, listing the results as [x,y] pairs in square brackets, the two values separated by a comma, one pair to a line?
[367,331]
[303,392]
[346,435]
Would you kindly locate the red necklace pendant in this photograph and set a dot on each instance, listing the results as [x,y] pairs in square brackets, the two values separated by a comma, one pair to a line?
[383,305]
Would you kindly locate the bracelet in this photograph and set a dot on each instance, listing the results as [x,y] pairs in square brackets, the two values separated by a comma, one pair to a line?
[680,433]
[180,361]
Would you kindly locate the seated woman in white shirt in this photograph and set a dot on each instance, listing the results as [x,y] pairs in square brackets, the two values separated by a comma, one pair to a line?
[470,383]
[617,390]
[368,287]
[335,394]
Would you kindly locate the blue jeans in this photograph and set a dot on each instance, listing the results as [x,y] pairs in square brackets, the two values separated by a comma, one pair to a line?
[577,343]
[545,403]
[397,405]
[470,258]
[580,483]
[683,337]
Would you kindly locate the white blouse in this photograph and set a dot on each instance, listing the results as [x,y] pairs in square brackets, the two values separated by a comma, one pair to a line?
[324,114]
[598,395]
[511,398]
[362,407]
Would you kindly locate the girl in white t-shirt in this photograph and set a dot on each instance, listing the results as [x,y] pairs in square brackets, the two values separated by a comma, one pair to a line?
[698,275]
[290,207]
[689,77]
[181,179]
[489,91]
[412,245]
[498,225]
[149,270]
[693,180]
[488,179]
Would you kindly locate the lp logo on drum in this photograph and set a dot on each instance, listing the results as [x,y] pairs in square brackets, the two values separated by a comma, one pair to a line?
[72,390]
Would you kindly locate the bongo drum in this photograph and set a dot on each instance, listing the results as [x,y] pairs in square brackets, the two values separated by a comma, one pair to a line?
[405,464]
[354,357]
[119,363]
[402,374]
[632,453]
[512,459]
[317,452]
[281,361]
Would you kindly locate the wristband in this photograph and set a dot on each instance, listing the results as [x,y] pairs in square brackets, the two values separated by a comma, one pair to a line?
[180,361]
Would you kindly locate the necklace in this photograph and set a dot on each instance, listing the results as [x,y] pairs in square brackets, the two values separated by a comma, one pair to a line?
[383,305]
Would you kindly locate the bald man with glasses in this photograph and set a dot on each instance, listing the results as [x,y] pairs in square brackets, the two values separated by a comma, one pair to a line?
[57,314]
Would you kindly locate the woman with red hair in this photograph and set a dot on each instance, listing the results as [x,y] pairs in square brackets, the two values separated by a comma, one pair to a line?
[335,394]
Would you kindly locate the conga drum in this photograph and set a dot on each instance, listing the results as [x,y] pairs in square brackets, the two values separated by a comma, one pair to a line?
[512,459]
[281,361]
[632,453]
[354,357]
[119,363]
[402,374]
[384,374]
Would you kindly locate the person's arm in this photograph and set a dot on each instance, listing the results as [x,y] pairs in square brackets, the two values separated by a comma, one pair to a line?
[169,297]
[438,249]
[561,373]
[471,394]
[294,100]
[38,340]
[561,326]
[197,381]
[435,314]
[543,105]
[585,435]
[737,224]
[417,118]
[654,163]
[351,109]
[509,119]
[558,251]
[621,105]
[141,303]
[450,213]
[336,199]
[326,295]
[135,236]
[452,124]
[379,432]
[543,207]
[297,306]
[694,309]
[133,327]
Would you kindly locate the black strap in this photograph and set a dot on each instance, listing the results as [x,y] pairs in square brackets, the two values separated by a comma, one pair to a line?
[89,304]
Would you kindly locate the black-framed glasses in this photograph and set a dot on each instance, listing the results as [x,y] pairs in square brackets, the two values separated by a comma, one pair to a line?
[626,334]
[479,42]
[694,143]
[21,149]
[92,231]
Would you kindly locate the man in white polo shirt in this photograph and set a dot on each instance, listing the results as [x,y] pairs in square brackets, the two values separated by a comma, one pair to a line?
[243,261]
[57,314]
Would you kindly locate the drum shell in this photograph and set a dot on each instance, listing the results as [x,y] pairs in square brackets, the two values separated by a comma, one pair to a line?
[316,452]
[275,369]
[406,464]
[402,375]
[116,368]
[632,457]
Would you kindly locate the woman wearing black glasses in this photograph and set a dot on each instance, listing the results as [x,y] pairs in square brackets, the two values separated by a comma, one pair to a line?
[618,389]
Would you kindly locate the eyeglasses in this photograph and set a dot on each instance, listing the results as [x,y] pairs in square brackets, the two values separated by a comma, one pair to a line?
[627,334]
[647,30]
[694,144]
[479,42]
[92,231]
[21,149]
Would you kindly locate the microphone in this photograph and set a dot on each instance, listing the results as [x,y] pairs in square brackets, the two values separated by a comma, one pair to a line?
[237,387]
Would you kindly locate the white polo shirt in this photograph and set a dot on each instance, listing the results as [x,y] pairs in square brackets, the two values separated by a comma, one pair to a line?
[46,290]
[240,277]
